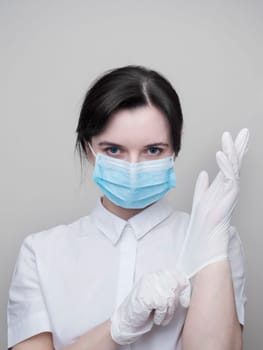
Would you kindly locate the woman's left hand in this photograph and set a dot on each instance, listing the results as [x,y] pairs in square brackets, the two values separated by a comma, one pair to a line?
[207,235]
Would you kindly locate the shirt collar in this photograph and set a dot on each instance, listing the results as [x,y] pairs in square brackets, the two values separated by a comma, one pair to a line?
[113,226]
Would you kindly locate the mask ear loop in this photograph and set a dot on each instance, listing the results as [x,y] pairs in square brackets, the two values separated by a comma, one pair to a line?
[92,150]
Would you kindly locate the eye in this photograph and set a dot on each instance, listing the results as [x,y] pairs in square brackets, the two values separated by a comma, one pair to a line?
[154,150]
[113,150]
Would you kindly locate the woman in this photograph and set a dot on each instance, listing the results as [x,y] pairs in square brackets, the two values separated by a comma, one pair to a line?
[134,273]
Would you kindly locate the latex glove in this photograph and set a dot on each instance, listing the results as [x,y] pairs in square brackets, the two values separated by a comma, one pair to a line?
[207,235]
[153,300]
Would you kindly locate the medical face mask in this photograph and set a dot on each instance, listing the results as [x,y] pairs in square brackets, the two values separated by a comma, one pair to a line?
[133,185]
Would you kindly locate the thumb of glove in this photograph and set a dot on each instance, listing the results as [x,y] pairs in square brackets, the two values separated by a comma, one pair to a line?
[201,187]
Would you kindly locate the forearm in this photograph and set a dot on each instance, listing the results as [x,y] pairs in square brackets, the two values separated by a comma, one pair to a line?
[98,338]
[211,321]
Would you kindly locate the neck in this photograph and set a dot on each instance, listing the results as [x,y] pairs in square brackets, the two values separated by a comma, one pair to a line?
[123,213]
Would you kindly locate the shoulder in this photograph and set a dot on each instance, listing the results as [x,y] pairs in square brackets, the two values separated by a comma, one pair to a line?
[59,235]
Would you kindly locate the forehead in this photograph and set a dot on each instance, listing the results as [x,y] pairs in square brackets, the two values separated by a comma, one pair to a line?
[144,125]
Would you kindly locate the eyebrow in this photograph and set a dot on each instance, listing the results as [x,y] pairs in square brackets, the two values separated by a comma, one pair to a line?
[158,144]
[107,143]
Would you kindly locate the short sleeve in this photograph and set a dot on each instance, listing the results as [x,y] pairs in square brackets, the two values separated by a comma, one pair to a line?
[26,310]
[236,258]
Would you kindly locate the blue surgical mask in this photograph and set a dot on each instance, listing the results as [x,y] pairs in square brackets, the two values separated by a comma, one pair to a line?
[133,185]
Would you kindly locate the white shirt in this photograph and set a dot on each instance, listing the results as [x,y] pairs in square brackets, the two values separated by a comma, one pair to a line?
[70,278]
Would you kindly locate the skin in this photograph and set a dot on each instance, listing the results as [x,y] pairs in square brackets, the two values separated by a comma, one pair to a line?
[211,321]
[138,135]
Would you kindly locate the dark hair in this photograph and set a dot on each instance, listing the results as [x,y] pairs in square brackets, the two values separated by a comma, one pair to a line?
[122,88]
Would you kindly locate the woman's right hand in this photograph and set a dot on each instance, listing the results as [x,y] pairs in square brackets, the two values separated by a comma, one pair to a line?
[153,300]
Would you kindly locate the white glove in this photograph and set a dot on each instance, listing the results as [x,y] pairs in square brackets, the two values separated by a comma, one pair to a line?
[207,235]
[153,300]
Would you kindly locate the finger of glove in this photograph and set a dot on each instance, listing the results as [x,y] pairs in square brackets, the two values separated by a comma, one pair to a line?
[241,145]
[167,288]
[180,280]
[155,289]
[184,287]
[139,309]
[146,290]
[213,193]
[161,285]
[126,333]
[230,187]
[184,290]
[176,283]
[180,287]
[201,186]
[229,149]
[167,282]
[173,280]
[185,296]
[173,303]
[160,312]
[225,166]
[137,305]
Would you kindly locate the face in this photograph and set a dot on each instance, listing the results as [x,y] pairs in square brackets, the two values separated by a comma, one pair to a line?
[134,135]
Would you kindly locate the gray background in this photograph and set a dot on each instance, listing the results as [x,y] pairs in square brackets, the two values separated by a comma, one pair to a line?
[51,51]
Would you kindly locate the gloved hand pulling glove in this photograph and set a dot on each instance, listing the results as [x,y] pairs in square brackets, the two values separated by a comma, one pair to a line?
[153,300]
